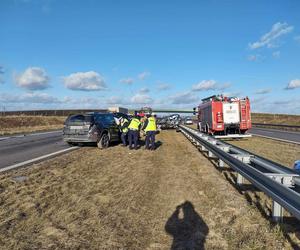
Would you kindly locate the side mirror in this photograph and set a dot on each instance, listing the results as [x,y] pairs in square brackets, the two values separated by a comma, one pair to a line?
[195,112]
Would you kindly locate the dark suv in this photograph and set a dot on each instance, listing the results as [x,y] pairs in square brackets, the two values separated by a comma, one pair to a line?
[99,128]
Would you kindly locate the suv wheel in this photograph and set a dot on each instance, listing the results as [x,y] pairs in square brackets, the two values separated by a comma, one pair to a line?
[103,142]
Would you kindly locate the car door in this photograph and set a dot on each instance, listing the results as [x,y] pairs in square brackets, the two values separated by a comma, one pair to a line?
[112,127]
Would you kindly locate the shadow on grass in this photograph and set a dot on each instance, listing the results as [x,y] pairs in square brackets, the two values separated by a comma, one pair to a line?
[187,228]
[288,225]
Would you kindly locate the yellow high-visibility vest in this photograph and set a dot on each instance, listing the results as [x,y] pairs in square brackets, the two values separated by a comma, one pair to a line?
[124,130]
[134,124]
[151,126]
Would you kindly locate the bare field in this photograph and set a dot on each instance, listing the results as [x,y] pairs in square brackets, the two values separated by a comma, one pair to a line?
[281,152]
[276,118]
[172,198]
[27,124]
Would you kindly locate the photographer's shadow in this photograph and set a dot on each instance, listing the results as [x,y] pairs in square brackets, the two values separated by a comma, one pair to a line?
[187,228]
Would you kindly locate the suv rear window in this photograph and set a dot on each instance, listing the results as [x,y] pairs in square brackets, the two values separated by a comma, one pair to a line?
[80,118]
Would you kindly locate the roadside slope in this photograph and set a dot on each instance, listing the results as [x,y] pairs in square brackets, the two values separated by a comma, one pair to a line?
[117,198]
[281,152]
[27,124]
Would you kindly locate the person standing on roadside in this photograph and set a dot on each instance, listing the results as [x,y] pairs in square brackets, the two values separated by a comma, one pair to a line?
[124,123]
[150,129]
[133,132]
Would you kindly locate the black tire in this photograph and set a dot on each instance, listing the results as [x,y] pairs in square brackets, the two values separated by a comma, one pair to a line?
[103,142]
[71,144]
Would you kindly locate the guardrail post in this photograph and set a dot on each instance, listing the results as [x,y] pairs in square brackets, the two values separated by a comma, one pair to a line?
[211,155]
[239,179]
[245,159]
[221,163]
[286,180]
[277,212]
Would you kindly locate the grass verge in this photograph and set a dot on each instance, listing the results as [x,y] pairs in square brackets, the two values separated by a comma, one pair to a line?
[27,124]
[120,199]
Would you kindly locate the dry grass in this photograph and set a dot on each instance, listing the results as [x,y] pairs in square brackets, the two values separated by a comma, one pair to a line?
[276,118]
[27,124]
[121,199]
[281,152]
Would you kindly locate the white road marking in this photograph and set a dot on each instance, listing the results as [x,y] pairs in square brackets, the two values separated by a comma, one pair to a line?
[277,139]
[24,163]
[25,135]
[4,138]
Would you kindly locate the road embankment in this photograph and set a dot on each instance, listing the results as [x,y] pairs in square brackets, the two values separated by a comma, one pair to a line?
[28,124]
[116,198]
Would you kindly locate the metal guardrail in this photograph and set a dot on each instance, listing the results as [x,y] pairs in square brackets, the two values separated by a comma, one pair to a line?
[275,180]
[276,125]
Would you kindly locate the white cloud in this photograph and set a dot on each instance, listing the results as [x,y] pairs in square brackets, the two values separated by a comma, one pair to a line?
[283,102]
[276,54]
[269,39]
[127,80]
[33,78]
[163,86]
[254,58]
[84,102]
[115,100]
[144,90]
[232,94]
[85,81]
[297,38]
[206,85]
[224,86]
[263,91]
[143,75]
[41,98]
[184,98]
[141,99]
[293,84]
[277,107]
[257,100]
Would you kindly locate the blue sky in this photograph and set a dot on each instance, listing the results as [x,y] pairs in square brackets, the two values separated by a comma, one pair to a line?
[164,54]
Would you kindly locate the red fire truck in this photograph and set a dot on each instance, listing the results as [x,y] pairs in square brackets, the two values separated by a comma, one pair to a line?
[220,115]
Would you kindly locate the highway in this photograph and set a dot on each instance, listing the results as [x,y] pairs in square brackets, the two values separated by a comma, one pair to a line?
[20,148]
[277,134]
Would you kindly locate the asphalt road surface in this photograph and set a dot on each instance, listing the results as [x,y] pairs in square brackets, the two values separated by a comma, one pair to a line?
[277,134]
[16,149]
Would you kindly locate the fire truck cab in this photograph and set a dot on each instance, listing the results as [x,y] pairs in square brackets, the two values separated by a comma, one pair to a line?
[221,115]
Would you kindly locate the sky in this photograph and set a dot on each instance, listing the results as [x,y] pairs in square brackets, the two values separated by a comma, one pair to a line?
[62,54]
